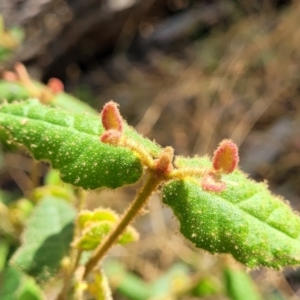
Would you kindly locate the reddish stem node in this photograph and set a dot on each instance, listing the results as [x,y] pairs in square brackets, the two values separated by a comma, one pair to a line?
[163,164]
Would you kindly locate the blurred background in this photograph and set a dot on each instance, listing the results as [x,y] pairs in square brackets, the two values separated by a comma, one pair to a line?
[186,73]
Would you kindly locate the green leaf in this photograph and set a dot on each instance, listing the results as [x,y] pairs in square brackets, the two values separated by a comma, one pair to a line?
[70,141]
[99,287]
[93,235]
[171,282]
[96,225]
[29,290]
[17,35]
[257,228]
[70,103]
[205,287]
[46,239]
[53,178]
[19,211]
[6,227]
[128,236]
[12,91]
[17,286]
[4,54]
[239,285]
[63,192]
[10,281]
[8,197]
[100,214]
[4,250]
[128,284]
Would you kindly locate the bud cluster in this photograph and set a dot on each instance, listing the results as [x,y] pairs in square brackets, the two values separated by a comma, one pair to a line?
[225,158]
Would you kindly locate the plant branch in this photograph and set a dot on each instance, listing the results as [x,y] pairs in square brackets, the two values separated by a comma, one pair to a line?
[150,186]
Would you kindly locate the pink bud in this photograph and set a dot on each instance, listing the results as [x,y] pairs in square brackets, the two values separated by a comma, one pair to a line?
[111,118]
[211,183]
[226,157]
[9,76]
[111,137]
[55,85]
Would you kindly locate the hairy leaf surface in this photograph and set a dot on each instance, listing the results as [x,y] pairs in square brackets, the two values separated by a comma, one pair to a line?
[46,239]
[257,228]
[70,142]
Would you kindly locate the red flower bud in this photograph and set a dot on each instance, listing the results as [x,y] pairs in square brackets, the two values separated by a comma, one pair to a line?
[226,157]
[111,118]
[10,76]
[55,85]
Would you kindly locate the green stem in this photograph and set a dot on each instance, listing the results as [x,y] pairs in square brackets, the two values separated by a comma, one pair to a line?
[63,293]
[150,186]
